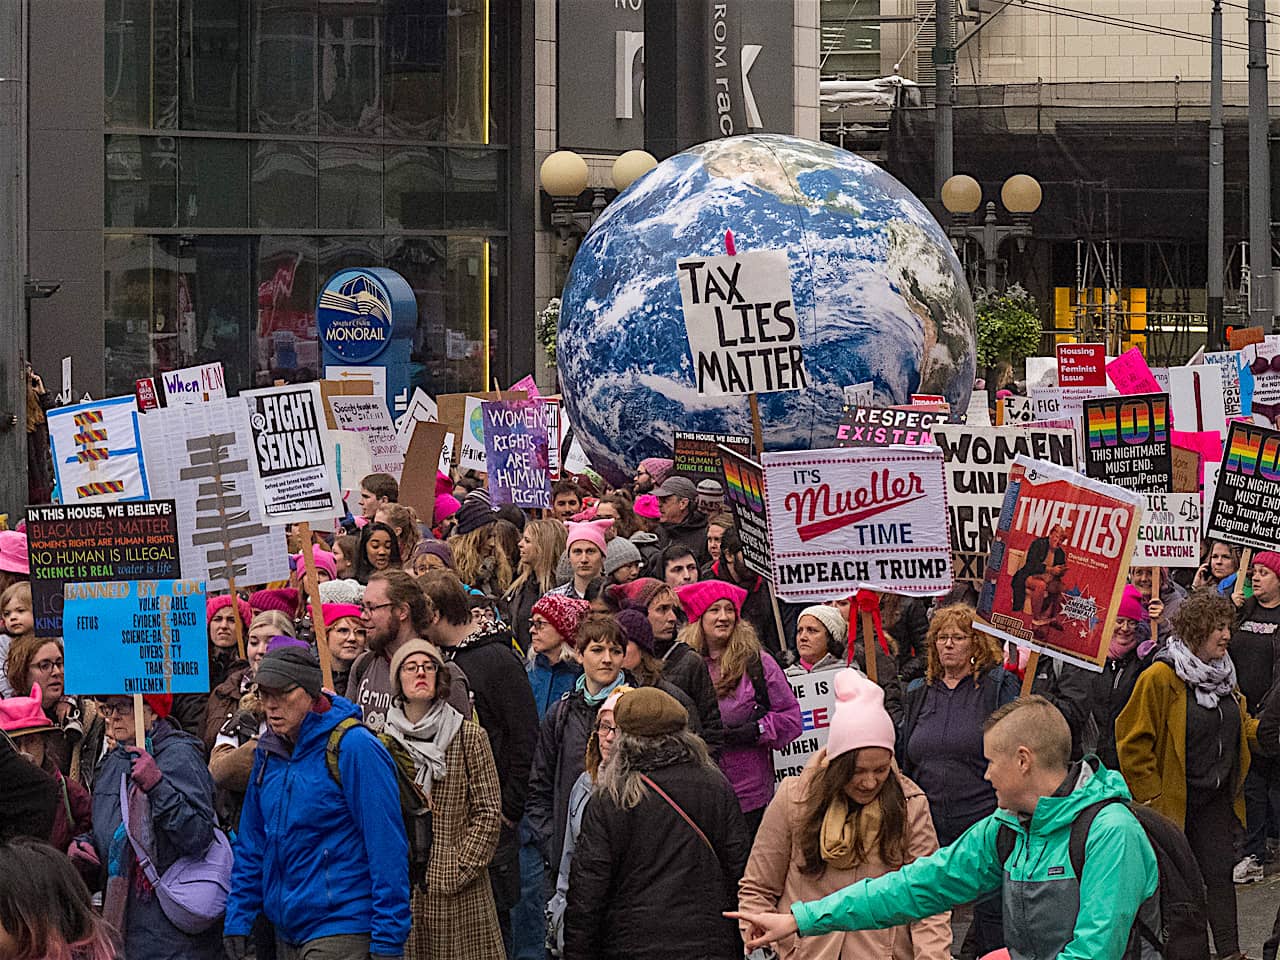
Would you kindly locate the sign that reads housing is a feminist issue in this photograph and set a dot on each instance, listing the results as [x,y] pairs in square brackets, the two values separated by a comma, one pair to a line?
[840,520]
[297,479]
[1246,503]
[741,320]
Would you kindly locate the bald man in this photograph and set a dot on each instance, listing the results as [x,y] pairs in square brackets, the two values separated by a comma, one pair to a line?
[1048,910]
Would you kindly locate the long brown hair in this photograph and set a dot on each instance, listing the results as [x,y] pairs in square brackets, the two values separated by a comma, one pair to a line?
[548,538]
[738,651]
[823,787]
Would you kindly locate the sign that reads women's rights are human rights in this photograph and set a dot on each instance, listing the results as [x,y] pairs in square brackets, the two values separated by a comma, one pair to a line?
[845,519]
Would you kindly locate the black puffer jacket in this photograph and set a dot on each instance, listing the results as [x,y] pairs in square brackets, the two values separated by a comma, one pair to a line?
[684,668]
[557,763]
[1106,695]
[643,885]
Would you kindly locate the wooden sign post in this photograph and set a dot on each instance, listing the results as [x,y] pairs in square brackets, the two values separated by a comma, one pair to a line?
[312,585]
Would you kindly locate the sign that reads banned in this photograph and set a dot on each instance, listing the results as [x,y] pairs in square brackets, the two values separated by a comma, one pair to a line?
[297,480]
[1246,503]
[841,520]
[741,320]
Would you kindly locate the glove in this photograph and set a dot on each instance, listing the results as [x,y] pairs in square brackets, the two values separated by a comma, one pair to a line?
[143,770]
[742,734]
[82,852]
[236,948]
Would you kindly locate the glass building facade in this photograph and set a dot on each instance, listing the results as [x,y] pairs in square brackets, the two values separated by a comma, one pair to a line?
[253,148]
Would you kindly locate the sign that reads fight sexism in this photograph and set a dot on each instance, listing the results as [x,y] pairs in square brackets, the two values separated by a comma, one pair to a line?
[741,319]
[844,519]
[1246,503]
[297,479]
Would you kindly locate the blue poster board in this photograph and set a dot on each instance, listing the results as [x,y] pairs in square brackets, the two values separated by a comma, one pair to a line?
[135,636]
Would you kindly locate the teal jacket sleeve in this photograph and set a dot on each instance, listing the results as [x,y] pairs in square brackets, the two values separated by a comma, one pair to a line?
[1120,873]
[964,871]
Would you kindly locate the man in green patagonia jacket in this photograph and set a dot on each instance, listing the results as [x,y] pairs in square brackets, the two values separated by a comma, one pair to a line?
[1048,911]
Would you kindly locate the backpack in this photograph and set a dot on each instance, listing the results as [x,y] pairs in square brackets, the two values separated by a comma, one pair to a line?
[415,809]
[1183,933]
[759,686]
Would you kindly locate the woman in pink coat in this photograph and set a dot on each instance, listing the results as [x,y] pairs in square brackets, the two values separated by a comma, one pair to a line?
[849,816]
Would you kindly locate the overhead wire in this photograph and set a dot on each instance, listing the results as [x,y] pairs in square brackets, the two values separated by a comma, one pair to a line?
[1136,25]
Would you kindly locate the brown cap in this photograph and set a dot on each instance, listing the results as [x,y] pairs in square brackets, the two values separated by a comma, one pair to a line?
[649,712]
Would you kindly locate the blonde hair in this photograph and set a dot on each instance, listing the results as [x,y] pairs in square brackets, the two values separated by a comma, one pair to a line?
[738,651]
[277,620]
[20,590]
[986,651]
[406,519]
[470,550]
[548,538]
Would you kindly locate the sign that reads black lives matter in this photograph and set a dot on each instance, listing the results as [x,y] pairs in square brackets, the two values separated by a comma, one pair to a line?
[744,335]
[297,481]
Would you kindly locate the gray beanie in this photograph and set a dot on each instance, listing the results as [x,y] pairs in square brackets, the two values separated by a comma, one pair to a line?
[830,618]
[341,591]
[287,667]
[618,554]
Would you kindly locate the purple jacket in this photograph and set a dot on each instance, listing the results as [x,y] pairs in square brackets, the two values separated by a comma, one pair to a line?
[750,769]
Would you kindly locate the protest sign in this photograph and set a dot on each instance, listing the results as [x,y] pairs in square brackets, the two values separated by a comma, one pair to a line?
[452,408]
[297,482]
[1059,562]
[1246,503]
[1082,364]
[744,495]
[198,456]
[741,320]
[1240,337]
[421,463]
[528,385]
[978,461]
[697,455]
[553,437]
[342,388]
[369,416]
[1130,373]
[1127,441]
[194,384]
[1186,470]
[1196,398]
[374,379]
[515,452]
[136,636]
[421,407]
[1211,471]
[884,426]
[136,540]
[144,391]
[97,451]
[976,412]
[1258,371]
[471,439]
[816,694]
[1041,371]
[861,394]
[841,520]
[352,458]
[1170,531]
[1226,361]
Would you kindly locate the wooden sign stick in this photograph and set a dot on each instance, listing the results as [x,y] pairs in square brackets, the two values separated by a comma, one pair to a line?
[1028,678]
[1155,595]
[756,429]
[235,613]
[139,724]
[869,646]
[1242,571]
[317,614]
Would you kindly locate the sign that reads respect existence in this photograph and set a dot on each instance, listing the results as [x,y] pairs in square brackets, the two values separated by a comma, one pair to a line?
[1246,502]
[885,426]
[741,320]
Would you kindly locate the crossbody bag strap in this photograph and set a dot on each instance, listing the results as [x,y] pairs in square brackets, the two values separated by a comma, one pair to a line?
[144,858]
[680,810]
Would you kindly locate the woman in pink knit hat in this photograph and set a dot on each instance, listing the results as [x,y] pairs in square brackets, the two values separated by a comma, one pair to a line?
[849,816]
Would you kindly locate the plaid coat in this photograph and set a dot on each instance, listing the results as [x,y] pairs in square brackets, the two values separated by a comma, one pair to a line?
[454,918]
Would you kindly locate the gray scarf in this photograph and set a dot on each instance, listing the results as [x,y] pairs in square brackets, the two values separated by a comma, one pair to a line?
[1210,680]
[427,740]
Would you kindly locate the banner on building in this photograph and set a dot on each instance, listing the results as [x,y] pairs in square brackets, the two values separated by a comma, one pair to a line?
[845,519]
[515,451]
[297,481]
[96,541]
[370,416]
[978,461]
[741,320]
[1059,562]
[1170,531]
[886,426]
[1127,442]
[97,451]
[1246,501]
[744,496]
[816,694]
[136,636]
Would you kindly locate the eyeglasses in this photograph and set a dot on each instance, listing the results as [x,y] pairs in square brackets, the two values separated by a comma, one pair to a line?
[538,624]
[116,709]
[606,731]
[426,669]
[953,638]
[366,609]
[349,632]
[46,666]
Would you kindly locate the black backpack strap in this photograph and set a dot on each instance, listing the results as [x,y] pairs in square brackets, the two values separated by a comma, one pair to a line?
[755,671]
[1080,832]
[1006,839]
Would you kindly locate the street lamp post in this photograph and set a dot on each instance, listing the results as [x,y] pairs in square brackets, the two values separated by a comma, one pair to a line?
[962,195]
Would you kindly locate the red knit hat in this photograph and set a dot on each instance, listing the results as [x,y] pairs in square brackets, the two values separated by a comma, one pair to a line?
[1269,559]
[564,613]
[638,593]
[161,704]
[284,599]
[697,597]
[214,604]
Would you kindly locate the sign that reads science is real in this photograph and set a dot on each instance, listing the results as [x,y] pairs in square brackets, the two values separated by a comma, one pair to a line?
[741,319]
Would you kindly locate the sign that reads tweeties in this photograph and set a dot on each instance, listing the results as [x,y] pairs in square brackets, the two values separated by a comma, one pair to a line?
[744,336]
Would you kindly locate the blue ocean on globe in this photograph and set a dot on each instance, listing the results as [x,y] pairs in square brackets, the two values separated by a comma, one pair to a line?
[879,297]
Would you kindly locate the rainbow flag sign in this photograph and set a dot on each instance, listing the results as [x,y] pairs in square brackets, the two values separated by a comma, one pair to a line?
[1128,442]
[1246,502]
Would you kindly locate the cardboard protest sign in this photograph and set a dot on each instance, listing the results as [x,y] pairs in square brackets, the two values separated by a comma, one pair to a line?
[697,455]
[1170,531]
[515,450]
[861,394]
[1130,373]
[297,481]
[471,447]
[421,464]
[342,388]
[1240,337]
[1082,364]
[741,320]
[816,694]
[978,461]
[1197,400]
[883,426]
[194,384]
[421,407]
[1226,361]
[744,496]
[136,636]
[369,416]
[1186,470]
[96,541]
[840,520]
[1059,562]
[198,456]
[1127,441]
[1246,502]
[97,451]
[452,408]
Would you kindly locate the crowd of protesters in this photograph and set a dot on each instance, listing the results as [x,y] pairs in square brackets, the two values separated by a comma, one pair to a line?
[554,736]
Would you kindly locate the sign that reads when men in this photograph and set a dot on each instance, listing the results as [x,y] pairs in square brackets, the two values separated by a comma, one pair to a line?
[741,319]
[1246,503]
[297,480]
[1127,441]
[136,636]
[96,541]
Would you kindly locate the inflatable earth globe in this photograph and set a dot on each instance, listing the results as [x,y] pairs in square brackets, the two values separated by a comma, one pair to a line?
[880,297]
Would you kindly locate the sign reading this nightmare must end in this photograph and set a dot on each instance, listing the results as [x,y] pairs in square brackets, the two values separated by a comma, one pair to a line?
[1246,504]
[297,481]
[1128,443]
[741,319]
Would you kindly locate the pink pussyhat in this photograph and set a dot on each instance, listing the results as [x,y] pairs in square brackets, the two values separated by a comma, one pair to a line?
[20,716]
[646,506]
[13,552]
[592,532]
[860,719]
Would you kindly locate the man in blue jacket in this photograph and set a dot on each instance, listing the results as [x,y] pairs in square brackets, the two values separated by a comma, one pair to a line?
[327,865]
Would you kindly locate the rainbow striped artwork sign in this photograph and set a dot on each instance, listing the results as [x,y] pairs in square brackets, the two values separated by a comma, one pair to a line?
[97,453]
[1246,501]
[1128,442]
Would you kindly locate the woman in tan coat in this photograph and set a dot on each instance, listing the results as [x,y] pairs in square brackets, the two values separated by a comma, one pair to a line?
[454,917]
[849,816]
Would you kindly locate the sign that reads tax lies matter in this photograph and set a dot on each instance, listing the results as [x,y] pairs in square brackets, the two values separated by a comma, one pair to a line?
[741,319]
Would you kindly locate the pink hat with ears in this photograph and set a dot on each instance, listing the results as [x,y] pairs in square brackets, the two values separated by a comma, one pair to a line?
[697,597]
[20,716]
[859,719]
[446,506]
[646,506]
[592,531]
[324,561]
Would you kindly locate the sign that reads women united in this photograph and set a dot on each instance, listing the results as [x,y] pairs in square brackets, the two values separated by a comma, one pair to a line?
[844,519]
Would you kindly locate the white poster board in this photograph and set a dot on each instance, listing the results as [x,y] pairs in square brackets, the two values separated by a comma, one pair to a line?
[1170,531]
[195,384]
[297,480]
[816,694]
[370,416]
[97,451]
[471,451]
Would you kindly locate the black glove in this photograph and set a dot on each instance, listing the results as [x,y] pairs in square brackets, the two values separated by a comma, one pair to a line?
[742,734]
[236,948]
